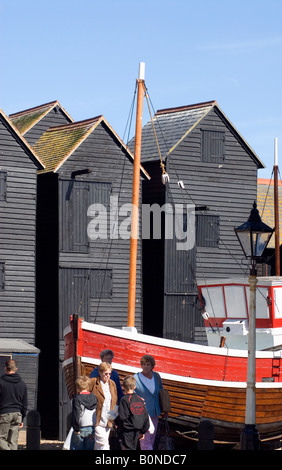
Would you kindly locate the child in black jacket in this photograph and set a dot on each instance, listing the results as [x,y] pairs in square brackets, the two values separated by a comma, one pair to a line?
[133,420]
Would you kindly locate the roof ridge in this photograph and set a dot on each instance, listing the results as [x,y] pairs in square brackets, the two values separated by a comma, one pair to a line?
[185,108]
[35,108]
[267,181]
[76,124]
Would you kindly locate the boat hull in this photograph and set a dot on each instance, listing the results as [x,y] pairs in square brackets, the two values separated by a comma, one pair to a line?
[204,383]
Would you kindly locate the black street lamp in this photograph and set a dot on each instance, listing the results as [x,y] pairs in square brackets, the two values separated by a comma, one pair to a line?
[253,236]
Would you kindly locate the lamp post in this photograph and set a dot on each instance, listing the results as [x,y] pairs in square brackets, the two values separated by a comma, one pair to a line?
[253,236]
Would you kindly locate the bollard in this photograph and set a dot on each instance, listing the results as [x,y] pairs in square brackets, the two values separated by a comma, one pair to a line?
[206,435]
[33,422]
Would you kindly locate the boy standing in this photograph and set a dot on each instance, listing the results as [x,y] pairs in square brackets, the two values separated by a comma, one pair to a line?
[84,405]
[133,419]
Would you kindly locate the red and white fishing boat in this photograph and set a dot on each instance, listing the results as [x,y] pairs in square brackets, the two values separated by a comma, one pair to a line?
[204,382]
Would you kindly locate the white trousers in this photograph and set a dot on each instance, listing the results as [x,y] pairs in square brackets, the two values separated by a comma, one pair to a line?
[102,435]
[147,443]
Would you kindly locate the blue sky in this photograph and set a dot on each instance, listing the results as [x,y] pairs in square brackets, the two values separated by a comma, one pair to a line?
[85,54]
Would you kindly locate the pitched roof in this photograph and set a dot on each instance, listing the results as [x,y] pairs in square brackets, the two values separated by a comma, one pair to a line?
[172,125]
[28,149]
[25,120]
[57,144]
[265,205]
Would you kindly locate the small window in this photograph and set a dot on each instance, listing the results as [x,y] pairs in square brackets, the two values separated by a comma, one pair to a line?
[101,283]
[207,230]
[213,146]
[235,301]
[214,298]
[3,186]
[2,276]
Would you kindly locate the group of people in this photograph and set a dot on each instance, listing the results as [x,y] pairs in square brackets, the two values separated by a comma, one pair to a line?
[101,405]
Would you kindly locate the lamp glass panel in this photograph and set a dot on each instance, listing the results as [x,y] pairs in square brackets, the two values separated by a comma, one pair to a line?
[245,240]
[260,240]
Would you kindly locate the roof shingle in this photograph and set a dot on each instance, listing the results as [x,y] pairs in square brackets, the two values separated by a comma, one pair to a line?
[171,126]
[25,120]
[58,143]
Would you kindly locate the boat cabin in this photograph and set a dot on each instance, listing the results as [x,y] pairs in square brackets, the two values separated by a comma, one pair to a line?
[225,310]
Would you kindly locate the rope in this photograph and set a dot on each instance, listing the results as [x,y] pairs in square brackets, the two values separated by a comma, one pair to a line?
[155,134]
[267,194]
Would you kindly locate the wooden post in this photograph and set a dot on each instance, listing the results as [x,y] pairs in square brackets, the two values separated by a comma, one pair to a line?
[135,202]
[33,430]
[205,435]
[76,357]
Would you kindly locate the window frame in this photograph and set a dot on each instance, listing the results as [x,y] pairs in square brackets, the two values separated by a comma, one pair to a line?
[206,235]
[95,292]
[3,186]
[2,276]
[95,192]
[212,146]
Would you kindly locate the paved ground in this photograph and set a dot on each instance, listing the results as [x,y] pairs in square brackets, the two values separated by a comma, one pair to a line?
[181,443]
[44,444]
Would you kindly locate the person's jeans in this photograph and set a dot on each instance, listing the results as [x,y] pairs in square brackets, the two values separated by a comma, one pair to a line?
[84,440]
[9,430]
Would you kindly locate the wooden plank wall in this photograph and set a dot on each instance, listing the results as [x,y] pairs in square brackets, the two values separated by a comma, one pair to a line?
[228,189]
[28,370]
[58,269]
[17,240]
[108,164]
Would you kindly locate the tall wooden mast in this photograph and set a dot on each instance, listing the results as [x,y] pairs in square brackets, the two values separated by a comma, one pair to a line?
[276,210]
[135,199]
